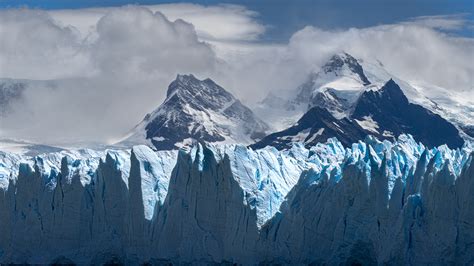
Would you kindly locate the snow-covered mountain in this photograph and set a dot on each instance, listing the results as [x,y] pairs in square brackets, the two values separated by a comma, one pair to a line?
[339,83]
[384,113]
[362,98]
[202,110]
[197,110]
[373,203]
[335,86]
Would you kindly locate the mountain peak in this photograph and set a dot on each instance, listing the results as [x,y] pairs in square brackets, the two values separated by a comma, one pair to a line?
[393,91]
[182,81]
[198,110]
[340,60]
[335,86]
[183,77]
[391,82]
[198,94]
[344,56]
[190,82]
[187,78]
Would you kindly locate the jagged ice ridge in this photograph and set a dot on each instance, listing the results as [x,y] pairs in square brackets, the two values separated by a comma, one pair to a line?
[376,202]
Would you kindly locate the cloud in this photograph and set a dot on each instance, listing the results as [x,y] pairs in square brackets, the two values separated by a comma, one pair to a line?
[137,41]
[107,67]
[30,40]
[219,22]
[422,50]
[414,50]
[410,51]
[97,89]
[442,22]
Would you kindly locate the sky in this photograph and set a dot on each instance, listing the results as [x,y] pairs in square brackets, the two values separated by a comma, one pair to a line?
[93,69]
[284,17]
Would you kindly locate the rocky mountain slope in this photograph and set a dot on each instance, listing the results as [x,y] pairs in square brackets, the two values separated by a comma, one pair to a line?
[384,113]
[316,125]
[387,113]
[373,203]
[362,98]
[197,110]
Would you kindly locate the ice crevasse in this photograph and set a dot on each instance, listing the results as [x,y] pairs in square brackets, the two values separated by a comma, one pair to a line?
[375,202]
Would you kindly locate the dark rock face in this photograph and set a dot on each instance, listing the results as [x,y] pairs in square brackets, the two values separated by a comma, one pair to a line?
[200,110]
[390,109]
[316,125]
[389,112]
[469,130]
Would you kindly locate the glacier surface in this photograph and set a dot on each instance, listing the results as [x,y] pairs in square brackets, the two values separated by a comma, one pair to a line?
[373,203]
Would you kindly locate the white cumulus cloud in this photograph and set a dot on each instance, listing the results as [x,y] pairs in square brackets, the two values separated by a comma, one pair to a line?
[97,89]
[410,51]
[219,22]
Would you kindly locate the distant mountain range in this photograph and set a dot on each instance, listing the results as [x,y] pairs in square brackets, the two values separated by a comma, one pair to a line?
[340,100]
[346,98]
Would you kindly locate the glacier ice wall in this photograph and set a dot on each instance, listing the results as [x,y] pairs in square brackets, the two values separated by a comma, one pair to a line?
[376,202]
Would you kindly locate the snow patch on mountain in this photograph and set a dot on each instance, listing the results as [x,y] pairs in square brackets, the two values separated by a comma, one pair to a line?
[368,123]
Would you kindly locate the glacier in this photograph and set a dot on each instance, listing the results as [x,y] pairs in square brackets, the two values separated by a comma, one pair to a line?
[375,202]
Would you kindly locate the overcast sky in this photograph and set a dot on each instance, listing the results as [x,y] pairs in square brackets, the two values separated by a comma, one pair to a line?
[106,65]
